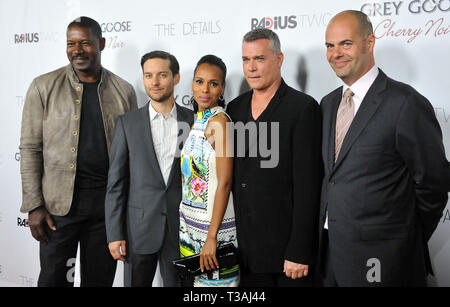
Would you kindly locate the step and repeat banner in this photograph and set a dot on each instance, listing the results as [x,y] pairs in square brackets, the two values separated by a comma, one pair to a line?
[413,43]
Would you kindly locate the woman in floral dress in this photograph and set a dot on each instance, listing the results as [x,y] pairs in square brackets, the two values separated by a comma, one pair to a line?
[206,210]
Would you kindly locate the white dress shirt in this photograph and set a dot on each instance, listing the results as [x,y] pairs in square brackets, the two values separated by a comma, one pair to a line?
[361,86]
[359,89]
[164,135]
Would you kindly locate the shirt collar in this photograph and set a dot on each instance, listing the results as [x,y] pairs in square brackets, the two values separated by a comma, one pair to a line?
[154,114]
[76,81]
[362,85]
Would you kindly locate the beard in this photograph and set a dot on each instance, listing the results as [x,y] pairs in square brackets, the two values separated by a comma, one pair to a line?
[160,97]
[84,63]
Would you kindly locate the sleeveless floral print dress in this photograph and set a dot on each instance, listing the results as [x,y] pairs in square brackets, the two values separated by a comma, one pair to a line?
[199,184]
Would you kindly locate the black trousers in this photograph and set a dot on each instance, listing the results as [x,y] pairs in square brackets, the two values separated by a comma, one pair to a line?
[84,224]
[328,278]
[143,266]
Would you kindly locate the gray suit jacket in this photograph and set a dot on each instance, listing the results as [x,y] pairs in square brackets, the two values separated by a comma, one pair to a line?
[386,192]
[138,203]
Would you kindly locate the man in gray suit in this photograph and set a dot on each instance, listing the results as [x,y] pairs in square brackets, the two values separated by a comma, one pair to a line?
[386,173]
[144,180]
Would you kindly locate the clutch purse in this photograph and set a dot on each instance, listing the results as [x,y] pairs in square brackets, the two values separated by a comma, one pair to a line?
[190,266]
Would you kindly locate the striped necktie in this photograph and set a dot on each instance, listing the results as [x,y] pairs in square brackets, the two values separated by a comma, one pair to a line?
[344,118]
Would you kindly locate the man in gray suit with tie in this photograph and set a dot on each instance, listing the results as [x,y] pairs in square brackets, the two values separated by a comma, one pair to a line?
[144,179]
[386,173]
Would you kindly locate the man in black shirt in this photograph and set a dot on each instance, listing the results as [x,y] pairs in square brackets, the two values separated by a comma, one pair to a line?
[92,171]
[276,196]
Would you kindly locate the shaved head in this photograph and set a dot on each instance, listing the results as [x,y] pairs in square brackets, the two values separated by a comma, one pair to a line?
[364,25]
[350,43]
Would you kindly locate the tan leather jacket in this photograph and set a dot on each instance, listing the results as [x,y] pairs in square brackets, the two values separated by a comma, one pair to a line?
[49,136]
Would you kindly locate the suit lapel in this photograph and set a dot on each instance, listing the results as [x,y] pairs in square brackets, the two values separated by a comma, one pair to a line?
[273,104]
[243,107]
[368,107]
[331,132]
[245,113]
[241,115]
[182,117]
[147,139]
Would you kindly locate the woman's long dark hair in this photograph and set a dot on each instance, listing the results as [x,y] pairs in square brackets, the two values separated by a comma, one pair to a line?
[216,61]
